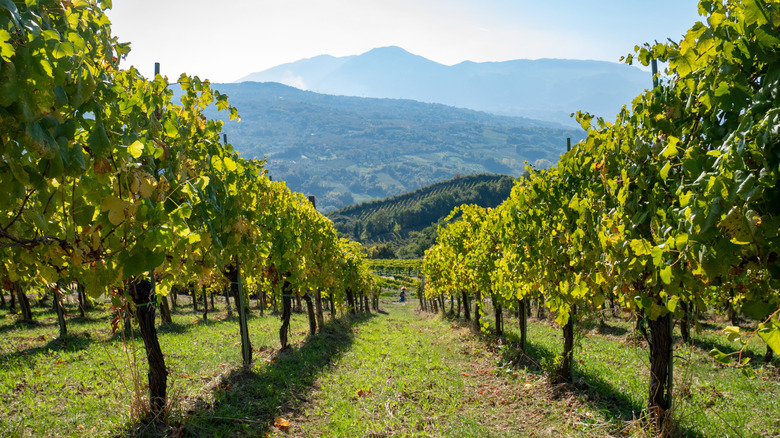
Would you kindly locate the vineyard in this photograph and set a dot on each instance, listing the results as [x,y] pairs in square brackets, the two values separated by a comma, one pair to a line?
[128,205]
[670,210]
[115,192]
[407,222]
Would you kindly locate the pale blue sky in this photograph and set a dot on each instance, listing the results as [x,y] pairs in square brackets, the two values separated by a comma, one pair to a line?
[228,39]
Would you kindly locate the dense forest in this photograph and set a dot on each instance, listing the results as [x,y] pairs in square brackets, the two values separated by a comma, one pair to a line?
[405,225]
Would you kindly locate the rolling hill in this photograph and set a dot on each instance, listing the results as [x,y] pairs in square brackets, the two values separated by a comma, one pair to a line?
[407,223]
[346,150]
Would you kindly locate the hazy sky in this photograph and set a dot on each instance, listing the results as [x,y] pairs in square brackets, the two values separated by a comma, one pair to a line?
[228,39]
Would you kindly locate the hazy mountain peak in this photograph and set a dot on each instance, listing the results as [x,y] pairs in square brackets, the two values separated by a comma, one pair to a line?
[545,89]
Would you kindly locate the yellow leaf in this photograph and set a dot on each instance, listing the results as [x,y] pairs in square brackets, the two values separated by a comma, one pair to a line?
[671,147]
[640,246]
[117,209]
[147,188]
[230,165]
[136,149]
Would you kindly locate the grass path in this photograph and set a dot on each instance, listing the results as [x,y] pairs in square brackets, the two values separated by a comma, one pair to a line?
[408,374]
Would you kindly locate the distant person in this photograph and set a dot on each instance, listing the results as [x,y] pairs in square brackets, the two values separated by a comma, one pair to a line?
[403,295]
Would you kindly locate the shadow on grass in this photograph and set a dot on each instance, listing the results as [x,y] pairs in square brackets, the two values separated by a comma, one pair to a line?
[599,393]
[76,339]
[611,330]
[588,386]
[246,402]
[178,328]
[20,324]
[707,345]
[70,343]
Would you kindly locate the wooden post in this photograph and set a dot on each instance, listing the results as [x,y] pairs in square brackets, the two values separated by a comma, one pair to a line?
[59,306]
[205,303]
[227,302]
[654,67]
[568,144]
[237,286]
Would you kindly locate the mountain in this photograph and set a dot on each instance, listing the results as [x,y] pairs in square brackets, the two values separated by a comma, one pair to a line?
[345,150]
[405,225]
[543,89]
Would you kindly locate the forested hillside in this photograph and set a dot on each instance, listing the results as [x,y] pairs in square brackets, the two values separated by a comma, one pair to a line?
[405,225]
[347,150]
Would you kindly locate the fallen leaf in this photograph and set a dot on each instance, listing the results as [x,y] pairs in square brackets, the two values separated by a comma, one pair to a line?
[177,431]
[464,374]
[281,424]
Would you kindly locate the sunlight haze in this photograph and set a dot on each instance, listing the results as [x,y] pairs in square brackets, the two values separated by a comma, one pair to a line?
[227,40]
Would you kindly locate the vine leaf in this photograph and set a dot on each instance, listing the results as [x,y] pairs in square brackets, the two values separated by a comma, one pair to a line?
[136,149]
[770,333]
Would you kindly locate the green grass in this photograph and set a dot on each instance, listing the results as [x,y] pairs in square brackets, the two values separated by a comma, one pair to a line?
[83,385]
[408,375]
[611,373]
[397,373]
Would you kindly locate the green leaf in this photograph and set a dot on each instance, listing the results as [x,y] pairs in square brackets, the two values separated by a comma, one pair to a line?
[9,90]
[665,170]
[140,260]
[230,165]
[85,86]
[747,370]
[720,357]
[641,247]
[681,241]
[42,138]
[756,309]
[753,13]
[733,334]
[136,149]
[6,49]
[671,148]
[672,303]
[63,49]
[117,209]
[171,126]
[770,333]
[84,215]
[216,163]
[666,275]
[98,140]
[657,254]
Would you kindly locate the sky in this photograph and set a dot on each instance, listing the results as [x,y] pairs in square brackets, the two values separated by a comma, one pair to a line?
[228,39]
